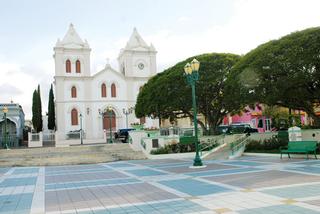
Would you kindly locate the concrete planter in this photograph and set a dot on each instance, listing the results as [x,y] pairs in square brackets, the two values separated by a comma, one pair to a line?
[152,133]
[138,127]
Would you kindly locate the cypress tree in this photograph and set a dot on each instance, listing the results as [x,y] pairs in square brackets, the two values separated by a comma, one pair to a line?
[35,112]
[39,110]
[51,111]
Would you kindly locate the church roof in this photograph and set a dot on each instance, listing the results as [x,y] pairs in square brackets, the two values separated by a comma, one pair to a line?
[137,43]
[72,39]
[108,68]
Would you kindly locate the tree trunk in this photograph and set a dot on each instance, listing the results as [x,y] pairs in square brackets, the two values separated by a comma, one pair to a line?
[204,129]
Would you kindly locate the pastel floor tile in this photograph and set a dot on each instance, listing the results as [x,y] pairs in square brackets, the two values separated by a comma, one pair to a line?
[145,172]
[295,191]
[279,209]
[193,187]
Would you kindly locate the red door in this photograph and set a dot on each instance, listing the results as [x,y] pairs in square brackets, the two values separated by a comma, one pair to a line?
[106,121]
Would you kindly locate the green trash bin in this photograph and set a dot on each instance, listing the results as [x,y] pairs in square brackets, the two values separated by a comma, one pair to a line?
[283,136]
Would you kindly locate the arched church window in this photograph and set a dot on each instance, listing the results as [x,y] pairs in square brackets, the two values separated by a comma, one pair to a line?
[78,66]
[74,117]
[103,90]
[73,92]
[68,66]
[113,90]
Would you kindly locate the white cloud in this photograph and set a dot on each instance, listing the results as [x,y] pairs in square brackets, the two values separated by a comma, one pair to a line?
[7,89]
[19,82]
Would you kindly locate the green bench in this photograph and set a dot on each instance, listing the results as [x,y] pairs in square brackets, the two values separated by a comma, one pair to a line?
[298,147]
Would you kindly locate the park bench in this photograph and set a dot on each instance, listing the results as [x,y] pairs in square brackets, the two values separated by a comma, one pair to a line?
[305,147]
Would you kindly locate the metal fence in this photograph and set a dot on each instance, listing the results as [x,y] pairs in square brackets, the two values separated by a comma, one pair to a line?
[35,137]
[12,141]
[48,136]
[179,131]
[75,135]
[48,139]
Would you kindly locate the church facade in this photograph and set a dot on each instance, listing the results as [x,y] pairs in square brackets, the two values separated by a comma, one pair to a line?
[82,99]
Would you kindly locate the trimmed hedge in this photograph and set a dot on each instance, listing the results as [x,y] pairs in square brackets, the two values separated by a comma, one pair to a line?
[180,148]
[268,146]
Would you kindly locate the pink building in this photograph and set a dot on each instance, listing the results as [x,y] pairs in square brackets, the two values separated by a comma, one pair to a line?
[253,117]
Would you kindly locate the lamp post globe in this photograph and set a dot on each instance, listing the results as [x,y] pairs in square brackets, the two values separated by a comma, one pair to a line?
[195,65]
[192,75]
[187,69]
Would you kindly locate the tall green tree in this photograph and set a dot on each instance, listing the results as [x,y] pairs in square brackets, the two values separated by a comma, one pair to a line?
[167,95]
[40,109]
[35,112]
[51,111]
[283,72]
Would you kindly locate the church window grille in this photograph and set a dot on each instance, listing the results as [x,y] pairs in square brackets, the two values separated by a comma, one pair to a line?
[74,117]
[113,90]
[103,90]
[73,92]
[78,66]
[68,66]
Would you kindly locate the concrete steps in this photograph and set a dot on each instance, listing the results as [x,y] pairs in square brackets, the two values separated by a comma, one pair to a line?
[84,154]
[221,153]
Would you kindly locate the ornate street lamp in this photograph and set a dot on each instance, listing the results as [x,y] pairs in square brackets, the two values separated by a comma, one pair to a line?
[127,112]
[5,111]
[81,131]
[109,108]
[192,73]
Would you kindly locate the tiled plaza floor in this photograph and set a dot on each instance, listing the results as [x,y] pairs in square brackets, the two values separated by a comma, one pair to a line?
[248,185]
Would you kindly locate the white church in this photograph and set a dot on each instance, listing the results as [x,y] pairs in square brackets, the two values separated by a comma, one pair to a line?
[82,99]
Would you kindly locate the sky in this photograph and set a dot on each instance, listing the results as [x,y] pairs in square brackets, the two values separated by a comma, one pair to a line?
[178,29]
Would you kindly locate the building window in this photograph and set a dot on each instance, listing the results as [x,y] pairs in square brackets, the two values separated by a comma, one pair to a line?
[68,66]
[78,66]
[268,124]
[74,117]
[103,90]
[155,143]
[113,90]
[260,123]
[73,92]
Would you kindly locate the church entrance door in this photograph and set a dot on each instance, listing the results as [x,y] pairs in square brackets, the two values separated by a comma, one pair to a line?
[106,121]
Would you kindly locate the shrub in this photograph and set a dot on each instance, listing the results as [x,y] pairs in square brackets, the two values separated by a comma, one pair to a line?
[269,145]
[181,148]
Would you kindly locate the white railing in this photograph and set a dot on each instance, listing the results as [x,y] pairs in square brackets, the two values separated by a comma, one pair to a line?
[49,136]
[35,139]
